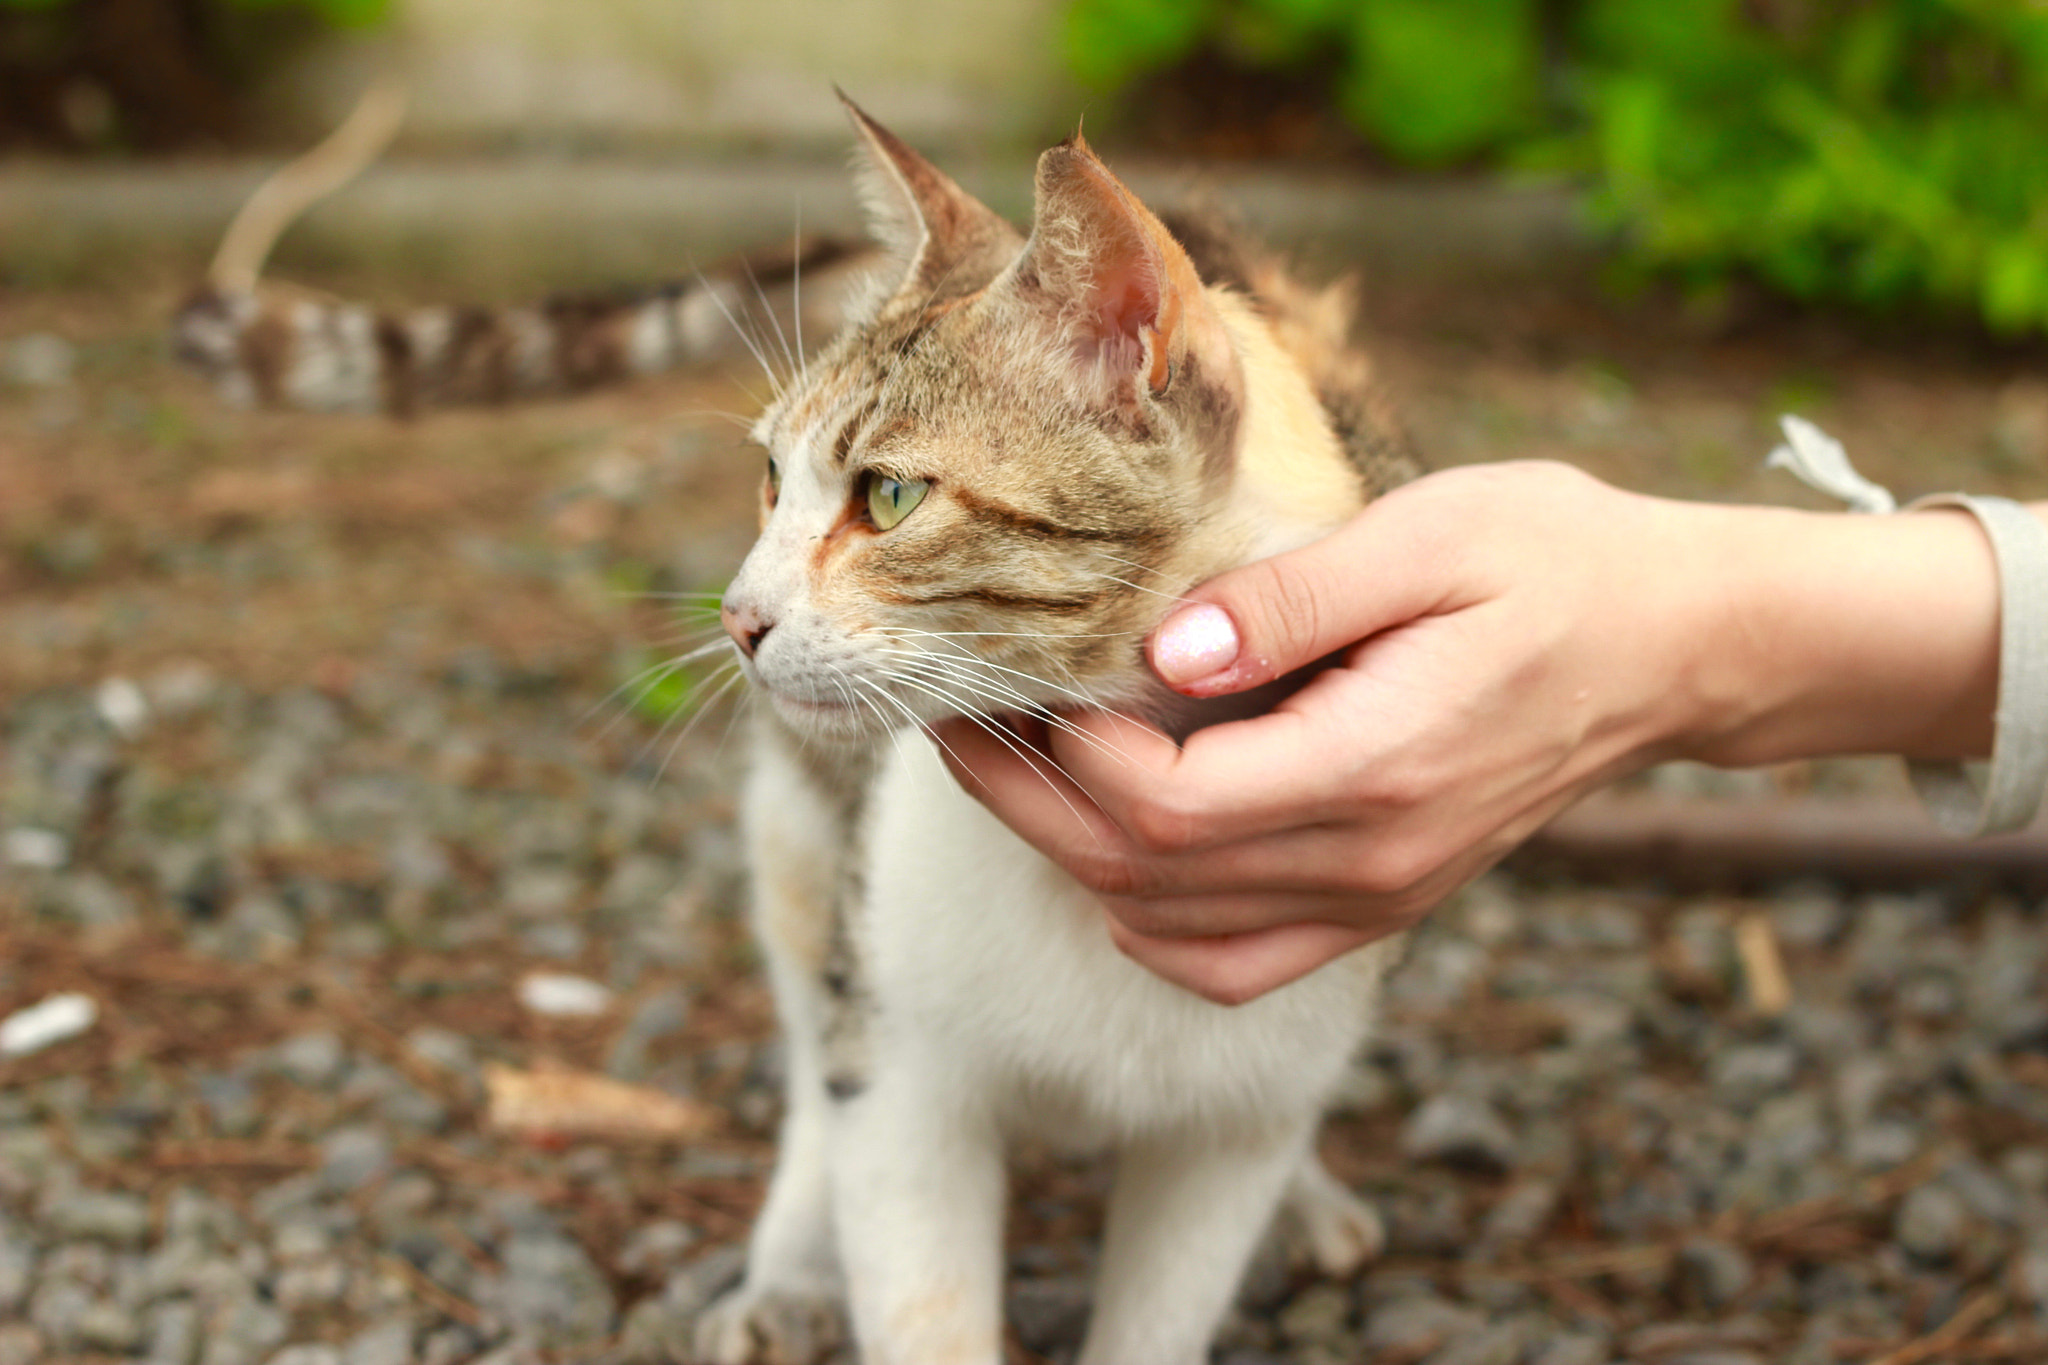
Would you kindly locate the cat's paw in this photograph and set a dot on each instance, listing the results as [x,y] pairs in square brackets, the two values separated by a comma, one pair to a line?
[1329,1227]
[769,1327]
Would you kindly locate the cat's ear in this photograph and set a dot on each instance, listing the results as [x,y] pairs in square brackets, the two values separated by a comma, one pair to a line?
[1118,284]
[949,241]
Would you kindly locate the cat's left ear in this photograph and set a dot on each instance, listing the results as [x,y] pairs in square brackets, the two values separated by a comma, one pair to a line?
[949,241]
[1118,284]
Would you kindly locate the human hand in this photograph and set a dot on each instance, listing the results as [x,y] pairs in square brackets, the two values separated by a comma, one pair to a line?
[1512,635]
[1484,682]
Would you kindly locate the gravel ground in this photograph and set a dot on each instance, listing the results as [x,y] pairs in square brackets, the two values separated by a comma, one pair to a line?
[307,767]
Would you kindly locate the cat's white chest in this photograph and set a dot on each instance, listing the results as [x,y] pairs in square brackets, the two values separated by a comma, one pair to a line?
[992,963]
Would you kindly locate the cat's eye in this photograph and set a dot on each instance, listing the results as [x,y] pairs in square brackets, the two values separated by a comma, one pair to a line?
[774,479]
[891,500]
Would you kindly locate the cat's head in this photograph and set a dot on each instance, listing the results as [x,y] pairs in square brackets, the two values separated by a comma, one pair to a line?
[982,495]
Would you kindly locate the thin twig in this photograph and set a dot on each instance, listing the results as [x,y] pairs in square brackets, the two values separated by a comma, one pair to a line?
[1941,1342]
[431,1290]
[1763,966]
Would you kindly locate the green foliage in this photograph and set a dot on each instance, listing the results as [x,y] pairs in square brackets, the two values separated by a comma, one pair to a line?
[1884,152]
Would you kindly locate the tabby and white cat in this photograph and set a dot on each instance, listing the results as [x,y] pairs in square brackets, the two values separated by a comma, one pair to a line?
[979,499]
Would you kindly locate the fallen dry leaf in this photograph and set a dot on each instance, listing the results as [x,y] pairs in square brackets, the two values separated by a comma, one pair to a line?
[564,1103]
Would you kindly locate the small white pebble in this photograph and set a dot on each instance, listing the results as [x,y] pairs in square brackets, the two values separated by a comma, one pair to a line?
[38,848]
[122,705]
[559,993]
[39,360]
[618,476]
[51,1021]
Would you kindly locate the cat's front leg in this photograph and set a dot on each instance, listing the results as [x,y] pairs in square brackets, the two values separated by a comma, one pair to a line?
[918,1189]
[1184,1217]
[786,1309]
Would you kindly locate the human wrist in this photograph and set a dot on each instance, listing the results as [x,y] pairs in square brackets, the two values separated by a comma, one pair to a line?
[1846,633]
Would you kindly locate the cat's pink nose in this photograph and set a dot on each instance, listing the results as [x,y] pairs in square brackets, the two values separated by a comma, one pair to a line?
[746,626]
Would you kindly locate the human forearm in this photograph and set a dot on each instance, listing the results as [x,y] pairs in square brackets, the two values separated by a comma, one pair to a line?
[1837,633]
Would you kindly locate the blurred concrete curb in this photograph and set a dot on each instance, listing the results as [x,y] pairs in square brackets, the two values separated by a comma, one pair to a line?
[483,223]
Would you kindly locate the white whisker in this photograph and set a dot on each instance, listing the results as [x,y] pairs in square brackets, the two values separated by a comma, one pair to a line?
[942,669]
[760,357]
[1032,758]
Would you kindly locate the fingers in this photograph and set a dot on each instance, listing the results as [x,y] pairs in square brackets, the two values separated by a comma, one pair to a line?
[1233,968]
[1253,624]
[1227,783]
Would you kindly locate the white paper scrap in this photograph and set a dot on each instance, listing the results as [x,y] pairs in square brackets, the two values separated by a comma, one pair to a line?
[26,846]
[122,705]
[50,1021]
[559,993]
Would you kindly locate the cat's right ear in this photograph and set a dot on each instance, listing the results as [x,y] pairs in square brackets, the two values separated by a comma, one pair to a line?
[948,241]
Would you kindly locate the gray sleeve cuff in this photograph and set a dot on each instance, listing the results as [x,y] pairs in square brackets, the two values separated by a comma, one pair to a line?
[2007,798]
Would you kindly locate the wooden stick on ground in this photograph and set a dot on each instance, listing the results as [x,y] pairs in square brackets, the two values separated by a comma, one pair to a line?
[1941,1342]
[1763,966]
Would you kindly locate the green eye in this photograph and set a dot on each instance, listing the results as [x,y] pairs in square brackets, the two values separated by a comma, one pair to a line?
[774,478]
[891,500]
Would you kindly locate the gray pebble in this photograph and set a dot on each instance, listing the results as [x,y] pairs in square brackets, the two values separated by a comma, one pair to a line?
[659,1015]
[388,1343]
[652,1251]
[1882,1144]
[312,1059]
[450,1345]
[172,1333]
[690,1290]
[1522,1213]
[245,1334]
[313,1354]
[1419,1324]
[1713,1273]
[1048,1311]
[1459,1130]
[56,1308]
[1502,1343]
[653,1333]
[2030,1275]
[38,360]
[352,1157]
[540,891]
[1809,918]
[1746,1076]
[1319,1313]
[98,1215]
[311,1286]
[17,1270]
[1930,1222]
[450,1052]
[230,1101]
[1572,1348]
[552,1295]
[107,1326]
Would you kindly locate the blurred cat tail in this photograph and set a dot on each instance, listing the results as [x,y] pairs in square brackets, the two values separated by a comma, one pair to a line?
[303,182]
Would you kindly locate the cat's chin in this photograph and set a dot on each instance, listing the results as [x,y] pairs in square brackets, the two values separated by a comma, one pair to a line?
[825,722]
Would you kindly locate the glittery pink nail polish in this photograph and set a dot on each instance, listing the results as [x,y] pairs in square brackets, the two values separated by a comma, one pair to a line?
[1194,643]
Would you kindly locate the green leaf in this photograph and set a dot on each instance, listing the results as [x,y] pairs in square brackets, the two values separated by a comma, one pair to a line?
[1110,41]
[2015,293]
[1437,80]
[668,696]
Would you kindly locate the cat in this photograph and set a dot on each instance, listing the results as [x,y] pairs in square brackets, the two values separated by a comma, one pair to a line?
[260,343]
[978,499]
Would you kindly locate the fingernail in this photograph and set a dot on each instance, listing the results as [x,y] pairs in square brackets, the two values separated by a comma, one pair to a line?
[1194,643]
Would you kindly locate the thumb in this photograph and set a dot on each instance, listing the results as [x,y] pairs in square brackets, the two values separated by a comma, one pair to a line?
[1255,623]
